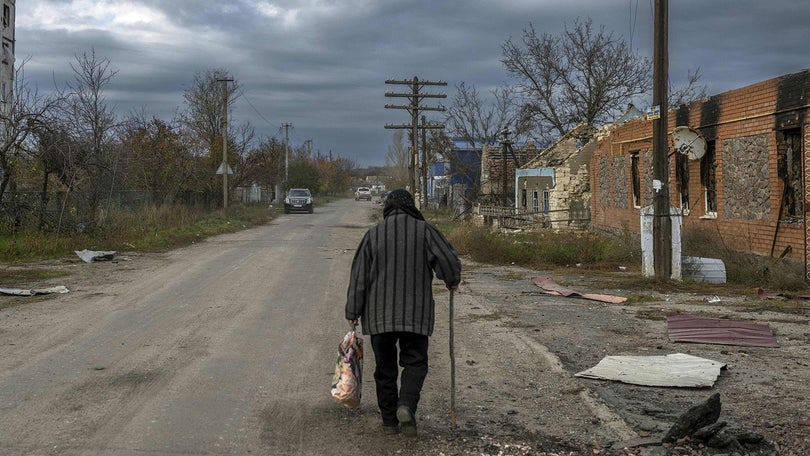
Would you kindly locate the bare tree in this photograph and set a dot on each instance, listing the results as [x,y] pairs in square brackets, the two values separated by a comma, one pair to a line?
[204,103]
[691,91]
[264,164]
[91,122]
[584,74]
[203,120]
[159,160]
[24,113]
[475,120]
[398,159]
[240,138]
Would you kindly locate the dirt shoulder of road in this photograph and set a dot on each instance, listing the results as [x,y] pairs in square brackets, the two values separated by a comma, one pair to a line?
[521,348]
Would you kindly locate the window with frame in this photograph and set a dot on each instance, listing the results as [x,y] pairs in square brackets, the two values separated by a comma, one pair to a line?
[708,179]
[546,201]
[535,202]
[790,173]
[636,179]
[682,176]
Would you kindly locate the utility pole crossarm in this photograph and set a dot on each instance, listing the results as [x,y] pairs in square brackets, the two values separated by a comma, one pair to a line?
[418,95]
[427,108]
[408,107]
[420,108]
[415,81]
[415,97]
[409,126]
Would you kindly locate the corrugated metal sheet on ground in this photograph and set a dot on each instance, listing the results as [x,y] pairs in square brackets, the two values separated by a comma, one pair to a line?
[679,370]
[551,287]
[690,328]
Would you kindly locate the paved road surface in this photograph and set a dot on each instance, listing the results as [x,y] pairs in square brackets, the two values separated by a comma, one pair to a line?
[226,347]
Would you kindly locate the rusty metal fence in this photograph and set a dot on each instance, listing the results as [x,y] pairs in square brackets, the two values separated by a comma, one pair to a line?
[510,217]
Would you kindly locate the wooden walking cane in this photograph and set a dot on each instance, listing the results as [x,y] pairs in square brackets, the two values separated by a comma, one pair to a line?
[452,369]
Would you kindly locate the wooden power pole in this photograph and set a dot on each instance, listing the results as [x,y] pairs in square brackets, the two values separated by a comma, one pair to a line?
[224,166]
[662,223]
[415,97]
[286,127]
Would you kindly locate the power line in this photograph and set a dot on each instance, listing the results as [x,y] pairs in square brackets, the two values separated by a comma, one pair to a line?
[244,96]
[633,19]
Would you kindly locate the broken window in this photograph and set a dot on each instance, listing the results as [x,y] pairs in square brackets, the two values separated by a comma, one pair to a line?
[790,173]
[535,202]
[6,56]
[636,179]
[708,178]
[523,199]
[6,16]
[682,176]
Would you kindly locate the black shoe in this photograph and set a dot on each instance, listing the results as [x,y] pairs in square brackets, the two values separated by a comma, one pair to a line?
[407,420]
[390,430]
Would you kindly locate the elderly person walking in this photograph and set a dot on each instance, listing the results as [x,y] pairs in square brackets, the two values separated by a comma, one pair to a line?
[390,292]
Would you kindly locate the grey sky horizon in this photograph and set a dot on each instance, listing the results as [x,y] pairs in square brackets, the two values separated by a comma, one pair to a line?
[321,65]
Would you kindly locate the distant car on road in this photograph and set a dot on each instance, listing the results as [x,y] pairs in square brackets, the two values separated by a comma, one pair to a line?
[298,200]
[362,193]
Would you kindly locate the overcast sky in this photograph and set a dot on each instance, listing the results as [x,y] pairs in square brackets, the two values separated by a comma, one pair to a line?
[321,65]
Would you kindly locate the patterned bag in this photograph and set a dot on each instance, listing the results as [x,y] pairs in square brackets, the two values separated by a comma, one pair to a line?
[348,379]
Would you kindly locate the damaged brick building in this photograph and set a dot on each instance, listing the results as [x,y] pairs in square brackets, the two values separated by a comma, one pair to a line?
[498,171]
[556,183]
[747,184]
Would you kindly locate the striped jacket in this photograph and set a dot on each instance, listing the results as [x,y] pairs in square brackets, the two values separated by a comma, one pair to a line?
[392,275]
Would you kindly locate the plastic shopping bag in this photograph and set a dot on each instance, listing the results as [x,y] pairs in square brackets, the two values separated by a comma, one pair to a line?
[348,379]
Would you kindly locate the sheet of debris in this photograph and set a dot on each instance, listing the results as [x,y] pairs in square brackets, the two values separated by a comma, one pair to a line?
[33,291]
[551,287]
[690,328]
[89,256]
[678,370]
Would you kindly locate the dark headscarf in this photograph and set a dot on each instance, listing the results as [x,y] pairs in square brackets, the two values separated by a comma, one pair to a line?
[401,199]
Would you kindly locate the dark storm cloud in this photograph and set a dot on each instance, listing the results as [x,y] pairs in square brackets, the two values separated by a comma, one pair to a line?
[321,64]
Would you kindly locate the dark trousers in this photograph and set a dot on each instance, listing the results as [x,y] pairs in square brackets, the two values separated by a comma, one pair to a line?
[413,358]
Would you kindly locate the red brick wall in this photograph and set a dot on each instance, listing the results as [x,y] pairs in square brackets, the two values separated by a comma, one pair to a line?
[764,108]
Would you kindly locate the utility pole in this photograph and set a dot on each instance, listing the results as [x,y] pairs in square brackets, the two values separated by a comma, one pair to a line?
[415,97]
[224,166]
[424,162]
[662,223]
[506,148]
[286,128]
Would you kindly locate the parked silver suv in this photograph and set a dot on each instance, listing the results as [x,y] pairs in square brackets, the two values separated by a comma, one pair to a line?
[298,200]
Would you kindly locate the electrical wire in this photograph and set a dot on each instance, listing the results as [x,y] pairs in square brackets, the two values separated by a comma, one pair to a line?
[279,128]
[245,97]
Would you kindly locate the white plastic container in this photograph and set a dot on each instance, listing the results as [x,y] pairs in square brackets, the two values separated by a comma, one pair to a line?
[709,270]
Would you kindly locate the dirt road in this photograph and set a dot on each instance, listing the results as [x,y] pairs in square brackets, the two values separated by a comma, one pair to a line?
[227,347]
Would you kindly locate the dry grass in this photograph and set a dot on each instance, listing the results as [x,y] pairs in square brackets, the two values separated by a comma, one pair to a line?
[152,228]
[602,256]
[741,267]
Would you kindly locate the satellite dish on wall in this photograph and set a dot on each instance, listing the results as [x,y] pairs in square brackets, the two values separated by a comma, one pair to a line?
[689,142]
